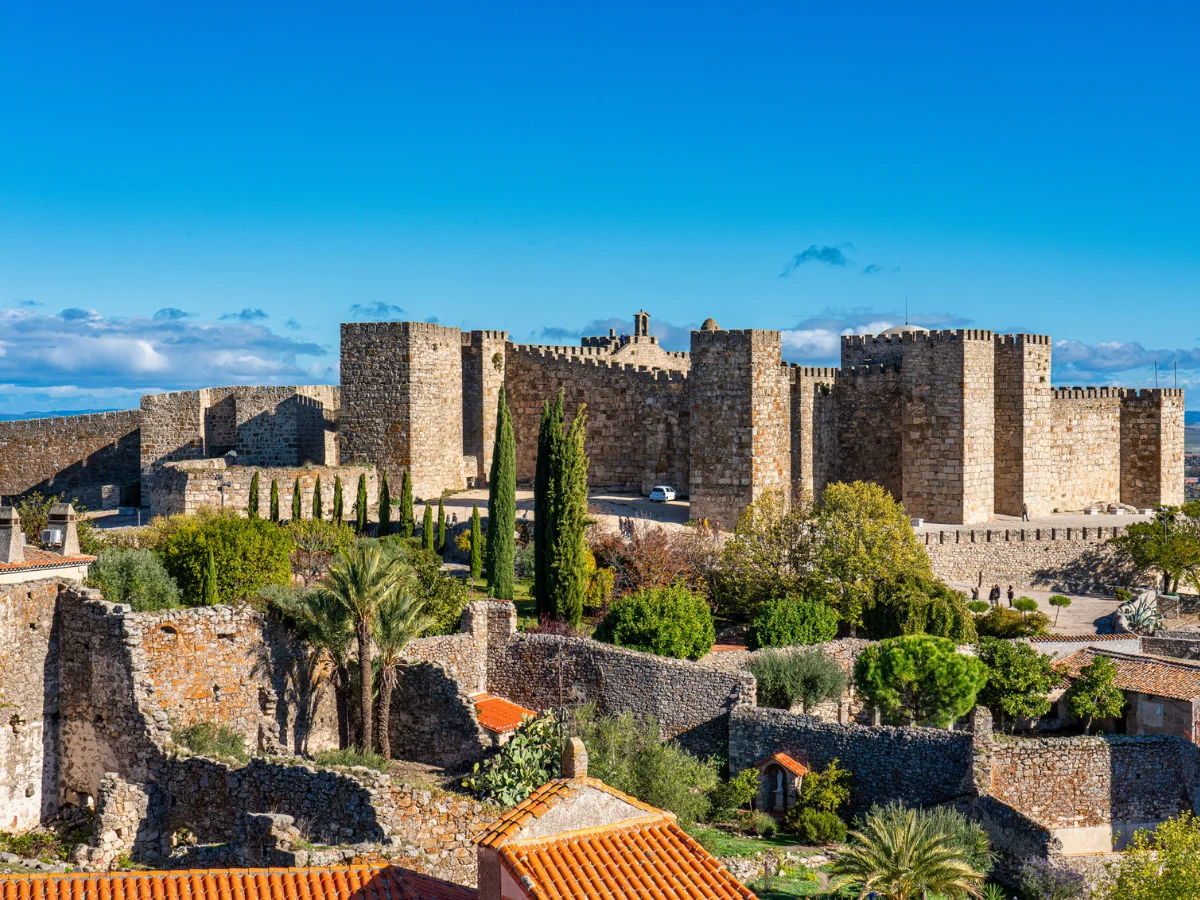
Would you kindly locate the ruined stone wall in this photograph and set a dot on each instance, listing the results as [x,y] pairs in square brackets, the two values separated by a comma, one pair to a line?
[72,455]
[1050,558]
[1152,440]
[186,487]
[637,428]
[1085,450]
[814,430]
[29,682]
[483,372]
[922,766]
[869,414]
[402,402]
[692,702]
[740,402]
[433,718]
[1024,469]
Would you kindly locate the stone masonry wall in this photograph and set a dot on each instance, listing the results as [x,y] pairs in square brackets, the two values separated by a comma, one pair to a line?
[74,455]
[1024,474]
[1085,450]
[29,681]
[637,428]
[1053,558]
[1152,442]
[869,404]
[483,355]
[814,430]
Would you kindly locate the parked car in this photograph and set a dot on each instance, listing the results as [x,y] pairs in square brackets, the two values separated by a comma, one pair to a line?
[661,493]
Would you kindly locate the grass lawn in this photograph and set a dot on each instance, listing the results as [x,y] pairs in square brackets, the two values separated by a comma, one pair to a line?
[721,843]
[786,888]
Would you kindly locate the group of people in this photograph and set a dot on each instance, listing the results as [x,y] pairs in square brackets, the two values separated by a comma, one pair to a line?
[994,594]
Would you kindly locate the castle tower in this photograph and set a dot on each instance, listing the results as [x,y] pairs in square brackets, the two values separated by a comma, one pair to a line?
[1024,468]
[740,415]
[814,430]
[641,324]
[948,442]
[483,364]
[1152,439]
[402,404]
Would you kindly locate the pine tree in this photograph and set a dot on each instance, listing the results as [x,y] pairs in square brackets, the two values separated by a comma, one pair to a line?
[385,507]
[317,512]
[476,546]
[297,502]
[274,500]
[566,574]
[439,543]
[502,506]
[408,519]
[339,502]
[252,502]
[427,528]
[549,434]
[211,596]
[360,506]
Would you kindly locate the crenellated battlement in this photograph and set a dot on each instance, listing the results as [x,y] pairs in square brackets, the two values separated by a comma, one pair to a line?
[595,360]
[1042,340]
[821,373]
[948,335]
[1086,393]
[866,371]
[869,340]
[1150,395]
[1090,534]
[55,423]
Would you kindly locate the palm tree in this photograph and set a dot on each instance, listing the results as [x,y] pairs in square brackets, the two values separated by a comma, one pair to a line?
[362,578]
[898,854]
[324,622]
[401,618]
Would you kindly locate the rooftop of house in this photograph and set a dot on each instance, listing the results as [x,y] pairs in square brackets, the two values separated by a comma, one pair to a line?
[783,759]
[500,715]
[331,883]
[1155,675]
[44,559]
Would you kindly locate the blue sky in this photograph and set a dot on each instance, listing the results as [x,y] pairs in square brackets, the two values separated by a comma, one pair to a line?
[198,194]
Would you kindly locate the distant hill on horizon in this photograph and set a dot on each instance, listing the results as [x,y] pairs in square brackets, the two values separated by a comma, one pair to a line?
[50,414]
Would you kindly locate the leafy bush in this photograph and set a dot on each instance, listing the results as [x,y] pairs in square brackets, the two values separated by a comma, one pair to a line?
[316,542]
[248,554]
[815,826]
[530,758]
[1019,679]
[1042,879]
[136,577]
[785,677]
[792,620]
[919,677]
[668,621]
[645,555]
[757,823]
[827,790]
[549,625]
[1025,604]
[917,604]
[350,756]
[979,606]
[1008,623]
[728,797]
[1163,864]
[207,739]
[523,560]
[445,597]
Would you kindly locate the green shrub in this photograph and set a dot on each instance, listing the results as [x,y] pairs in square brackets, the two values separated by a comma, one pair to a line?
[920,678]
[786,677]
[728,797]
[248,555]
[815,826]
[979,606]
[207,739]
[758,824]
[136,577]
[1002,622]
[350,756]
[668,621]
[827,790]
[1025,604]
[790,621]
[917,604]
[445,597]
[34,510]
[530,758]
[326,536]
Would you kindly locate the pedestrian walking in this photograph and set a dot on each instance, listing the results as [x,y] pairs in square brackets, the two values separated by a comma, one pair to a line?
[1011,594]
[1024,512]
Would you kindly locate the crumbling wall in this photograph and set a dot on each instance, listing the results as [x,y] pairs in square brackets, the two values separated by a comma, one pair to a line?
[433,718]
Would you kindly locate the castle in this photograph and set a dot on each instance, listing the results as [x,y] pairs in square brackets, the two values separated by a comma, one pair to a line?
[960,425]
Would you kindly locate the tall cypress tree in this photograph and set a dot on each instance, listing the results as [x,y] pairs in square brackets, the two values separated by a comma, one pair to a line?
[318,513]
[439,543]
[408,519]
[274,500]
[211,595]
[502,505]
[252,502]
[566,575]
[427,528]
[549,434]
[476,546]
[339,502]
[360,505]
[297,502]
[385,507]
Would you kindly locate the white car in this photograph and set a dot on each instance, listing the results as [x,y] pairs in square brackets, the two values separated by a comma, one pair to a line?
[661,493]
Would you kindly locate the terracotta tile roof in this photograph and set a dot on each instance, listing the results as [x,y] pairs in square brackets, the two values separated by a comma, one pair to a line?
[500,715]
[1079,638]
[540,801]
[782,759]
[646,858]
[43,559]
[333,883]
[1173,679]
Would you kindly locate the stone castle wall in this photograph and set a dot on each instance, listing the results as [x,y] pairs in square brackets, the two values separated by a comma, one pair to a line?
[72,455]
[637,427]
[483,363]
[814,430]
[1024,473]
[869,403]
[1152,424]
[1085,450]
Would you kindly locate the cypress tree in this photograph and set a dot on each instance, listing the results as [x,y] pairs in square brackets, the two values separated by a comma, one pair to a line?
[476,546]
[408,519]
[211,596]
[360,506]
[502,505]
[252,503]
[427,528]
[274,500]
[339,502]
[385,507]
[439,543]
[549,434]
[297,502]
[317,512]
[566,575]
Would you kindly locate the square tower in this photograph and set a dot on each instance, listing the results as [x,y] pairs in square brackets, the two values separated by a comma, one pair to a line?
[740,415]
[402,405]
[483,363]
[1152,447]
[1024,397]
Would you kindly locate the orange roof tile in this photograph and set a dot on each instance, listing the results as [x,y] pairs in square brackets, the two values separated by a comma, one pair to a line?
[36,558]
[332,883]
[500,715]
[653,859]
[1173,679]
[782,759]
[1079,638]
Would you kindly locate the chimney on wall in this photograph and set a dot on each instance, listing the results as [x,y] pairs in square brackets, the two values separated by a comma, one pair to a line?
[11,547]
[574,759]
[61,523]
